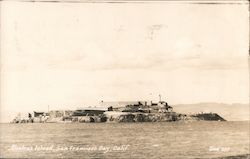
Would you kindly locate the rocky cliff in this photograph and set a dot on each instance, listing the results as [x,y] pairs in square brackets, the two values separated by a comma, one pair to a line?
[160,117]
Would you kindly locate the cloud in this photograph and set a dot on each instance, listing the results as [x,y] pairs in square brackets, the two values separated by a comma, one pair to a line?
[106,61]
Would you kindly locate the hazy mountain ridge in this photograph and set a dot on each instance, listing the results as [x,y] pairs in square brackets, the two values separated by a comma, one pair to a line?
[230,112]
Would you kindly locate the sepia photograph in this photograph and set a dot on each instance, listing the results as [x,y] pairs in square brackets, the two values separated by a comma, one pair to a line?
[118,79]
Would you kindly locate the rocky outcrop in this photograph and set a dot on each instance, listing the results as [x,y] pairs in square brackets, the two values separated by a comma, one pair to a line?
[89,119]
[159,117]
[208,116]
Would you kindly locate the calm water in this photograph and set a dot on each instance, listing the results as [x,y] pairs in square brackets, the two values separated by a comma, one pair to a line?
[125,140]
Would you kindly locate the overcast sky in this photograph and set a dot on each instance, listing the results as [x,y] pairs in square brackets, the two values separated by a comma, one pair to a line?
[71,55]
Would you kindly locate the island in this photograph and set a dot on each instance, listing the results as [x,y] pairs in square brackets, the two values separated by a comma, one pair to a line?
[135,111]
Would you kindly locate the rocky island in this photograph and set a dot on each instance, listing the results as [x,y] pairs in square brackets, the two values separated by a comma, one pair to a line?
[138,111]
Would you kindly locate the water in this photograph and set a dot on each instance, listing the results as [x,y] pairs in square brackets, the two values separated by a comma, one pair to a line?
[125,140]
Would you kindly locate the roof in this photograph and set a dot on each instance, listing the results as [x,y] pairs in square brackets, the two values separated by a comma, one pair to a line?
[118,103]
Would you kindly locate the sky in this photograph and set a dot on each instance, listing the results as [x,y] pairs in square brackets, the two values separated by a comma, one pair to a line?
[69,55]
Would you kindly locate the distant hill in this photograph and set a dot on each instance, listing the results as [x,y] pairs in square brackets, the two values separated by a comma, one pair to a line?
[230,112]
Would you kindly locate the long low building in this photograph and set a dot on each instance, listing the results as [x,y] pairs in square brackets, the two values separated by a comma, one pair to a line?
[87,112]
[118,104]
